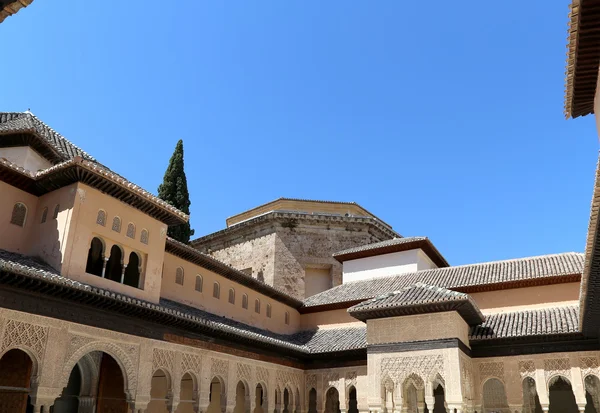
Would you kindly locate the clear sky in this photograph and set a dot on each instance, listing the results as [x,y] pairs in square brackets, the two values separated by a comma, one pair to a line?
[444,119]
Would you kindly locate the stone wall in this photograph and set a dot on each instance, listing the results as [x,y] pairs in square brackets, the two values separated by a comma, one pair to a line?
[279,247]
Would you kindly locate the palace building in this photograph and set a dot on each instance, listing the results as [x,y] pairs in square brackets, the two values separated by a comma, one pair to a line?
[297,306]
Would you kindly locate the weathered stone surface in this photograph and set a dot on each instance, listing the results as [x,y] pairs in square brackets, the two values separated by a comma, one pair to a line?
[280,248]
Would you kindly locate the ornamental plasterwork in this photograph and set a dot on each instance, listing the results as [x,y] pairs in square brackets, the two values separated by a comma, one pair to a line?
[33,337]
[219,367]
[527,369]
[589,365]
[331,379]
[287,377]
[118,351]
[554,367]
[191,362]
[243,371]
[350,379]
[311,382]
[162,359]
[491,369]
[262,375]
[399,368]
[466,379]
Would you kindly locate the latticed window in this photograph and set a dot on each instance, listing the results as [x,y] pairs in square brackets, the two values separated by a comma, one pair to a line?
[179,276]
[130,230]
[231,296]
[257,306]
[245,301]
[216,290]
[44,215]
[198,283]
[19,214]
[287,317]
[144,237]
[56,209]
[269,310]
[116,226]
[101,218]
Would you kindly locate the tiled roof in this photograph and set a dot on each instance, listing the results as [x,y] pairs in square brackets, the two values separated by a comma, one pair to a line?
[393,245]
[20,122]
[10,7]
[583,59]
[418,298]
[544,321]
[489,275]
[305,342]
[589,302]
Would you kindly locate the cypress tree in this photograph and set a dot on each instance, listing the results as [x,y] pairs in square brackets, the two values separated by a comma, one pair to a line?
[174,191]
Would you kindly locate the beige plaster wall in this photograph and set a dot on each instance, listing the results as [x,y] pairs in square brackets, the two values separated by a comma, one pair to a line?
[49,240]
[417,328]
[204,300]
[316,280]
[517,298]
[85,228]
[14,238]
[329,318]
[299,206]
[25,157]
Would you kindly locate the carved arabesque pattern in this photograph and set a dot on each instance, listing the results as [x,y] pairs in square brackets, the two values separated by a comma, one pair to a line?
[162,359]
[399,368]
[311,382]
[589,365]
[527,369]
[33,337]
[123,355]
[285,377]
[244,371]
[350,379]
[466,379]
[491,369]
[262,375]
[219,367]
[191,362]
[331,379]
[553,367]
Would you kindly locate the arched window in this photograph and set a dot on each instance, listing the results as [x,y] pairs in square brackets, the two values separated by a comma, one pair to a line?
[268,310]
[231,296]
[116,226]
[257,306]
[287,317]
[130,230]
[19,214]
[95,259]
[245,301]
[44,215]
[144,236]
[216,290]
[179,276]
[56,209]
[198,283]
[114,266]
[101,218]
[132,272]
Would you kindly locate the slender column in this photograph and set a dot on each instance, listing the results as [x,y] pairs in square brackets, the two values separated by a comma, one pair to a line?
[123,273]
[86,404]
[104,266]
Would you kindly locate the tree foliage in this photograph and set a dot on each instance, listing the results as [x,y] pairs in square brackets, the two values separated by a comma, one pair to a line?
[174,190]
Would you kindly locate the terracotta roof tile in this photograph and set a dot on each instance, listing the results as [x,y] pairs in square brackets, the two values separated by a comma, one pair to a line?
[418,298]
[494,273]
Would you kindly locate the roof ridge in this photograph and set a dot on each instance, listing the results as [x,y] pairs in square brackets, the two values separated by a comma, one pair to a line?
[61,136]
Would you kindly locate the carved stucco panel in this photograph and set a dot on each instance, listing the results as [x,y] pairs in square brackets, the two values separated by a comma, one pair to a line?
[18,334]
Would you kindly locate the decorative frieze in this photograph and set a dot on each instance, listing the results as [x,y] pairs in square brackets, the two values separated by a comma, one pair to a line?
[399,368]
[21,334]
[491,369]
[244,371]
[162,359]
[219,367]
[527,369]
[190,362]
[557,367]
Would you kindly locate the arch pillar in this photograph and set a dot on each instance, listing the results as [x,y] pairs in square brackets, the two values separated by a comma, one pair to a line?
[540,386]
[577,384]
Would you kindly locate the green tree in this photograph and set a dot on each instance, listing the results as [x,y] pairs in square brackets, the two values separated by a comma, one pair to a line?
[174,190]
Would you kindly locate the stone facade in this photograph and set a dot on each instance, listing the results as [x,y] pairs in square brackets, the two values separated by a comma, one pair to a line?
[279,247]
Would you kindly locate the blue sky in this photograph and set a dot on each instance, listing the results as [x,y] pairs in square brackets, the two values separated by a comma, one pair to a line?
[445,121]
